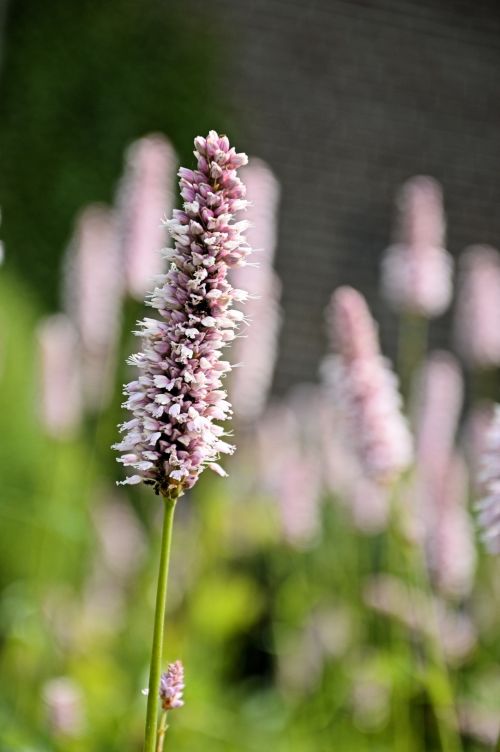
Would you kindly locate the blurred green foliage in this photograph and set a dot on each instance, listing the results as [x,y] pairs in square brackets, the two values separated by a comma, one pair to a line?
[79,82]
[279,646]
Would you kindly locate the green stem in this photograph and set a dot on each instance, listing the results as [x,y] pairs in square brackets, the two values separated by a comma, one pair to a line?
[157,649]
[442,700]
[162,728]
[412,346]
[405,739]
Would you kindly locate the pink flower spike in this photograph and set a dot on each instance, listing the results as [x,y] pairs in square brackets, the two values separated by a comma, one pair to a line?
[61,388]
[476,431]
[451,549]
[437,405]
[178,396]
[64,705]
[477,333]
[488,507]
[290,468]
[416,269]
[145,195]
[440,504]
[366,390]
[256,349]
[93,297]
[172,686]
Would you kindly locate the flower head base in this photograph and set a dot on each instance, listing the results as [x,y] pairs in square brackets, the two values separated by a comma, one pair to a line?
[366,390]
[417,270]
[172,686]
[178,397]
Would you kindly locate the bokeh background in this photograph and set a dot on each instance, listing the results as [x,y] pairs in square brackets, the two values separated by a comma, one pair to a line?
[271,607]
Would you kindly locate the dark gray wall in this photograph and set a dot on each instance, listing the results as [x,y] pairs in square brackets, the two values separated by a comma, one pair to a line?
[345,99]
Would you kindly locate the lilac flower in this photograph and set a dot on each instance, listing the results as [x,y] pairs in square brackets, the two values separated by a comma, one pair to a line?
[489,506]
[145,195]
[172,686]
[366,390]
[61,392]
[178,396]
[477,330]
[417,270]
[257,350]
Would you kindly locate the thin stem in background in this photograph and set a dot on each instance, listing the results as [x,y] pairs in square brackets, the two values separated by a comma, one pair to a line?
[405,738]
[157,648]
[412,347]
[442,699]
[162,728]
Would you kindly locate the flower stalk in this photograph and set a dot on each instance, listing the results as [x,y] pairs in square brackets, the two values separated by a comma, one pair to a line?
[158,630]
[177,400]
[162,730]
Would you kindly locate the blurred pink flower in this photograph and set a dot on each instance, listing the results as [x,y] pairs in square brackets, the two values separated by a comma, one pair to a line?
[475,437]
[145,195]
[61,395]
[93,298]
[298,499]
[489,479]
[477,319]
[303,652]
[425,615]
[436,404]
[329,464]
[256,348]
[121,536]
[63,700]
[340,468]
[369,503]
[366,390]
[479,722]
[290,472]
[441,482]
[417,270]
[451,547]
